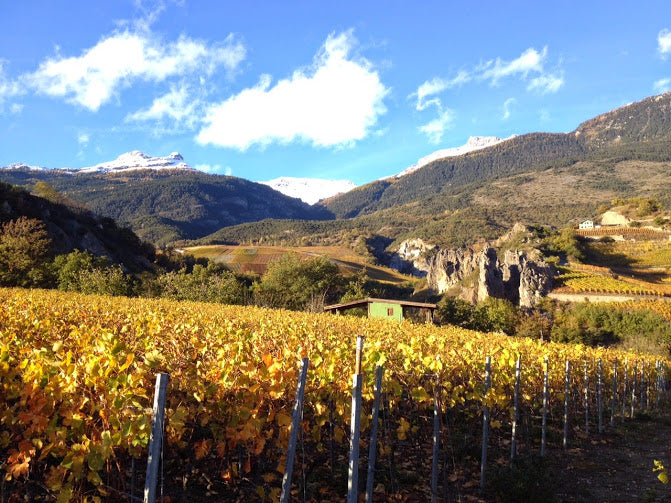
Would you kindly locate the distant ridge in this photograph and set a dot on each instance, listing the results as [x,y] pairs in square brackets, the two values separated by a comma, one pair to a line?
[473,143]
[129,161]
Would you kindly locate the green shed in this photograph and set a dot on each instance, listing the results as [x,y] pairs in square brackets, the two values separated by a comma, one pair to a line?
[384,308]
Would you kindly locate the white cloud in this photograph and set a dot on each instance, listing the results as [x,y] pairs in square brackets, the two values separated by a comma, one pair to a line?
[546,83]
[435,129]
[83,139]
[544,115]
[664,42]
[662,85]
[176,107]
[15,108]
[529,61]
[215,169]
[528,67]
[436,86]
[118,61]
[8,89]
[334,102]
[507,106]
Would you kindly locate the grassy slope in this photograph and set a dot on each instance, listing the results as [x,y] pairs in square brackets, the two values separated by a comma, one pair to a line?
[256,258]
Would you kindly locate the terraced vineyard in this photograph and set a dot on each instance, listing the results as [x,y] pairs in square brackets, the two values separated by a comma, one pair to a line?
[584,281]
[77,374]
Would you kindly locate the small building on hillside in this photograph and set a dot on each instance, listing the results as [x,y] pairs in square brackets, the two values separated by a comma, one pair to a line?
[587,224]
[385,308]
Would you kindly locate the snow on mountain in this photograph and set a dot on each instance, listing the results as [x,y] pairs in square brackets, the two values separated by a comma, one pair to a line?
[138,160]
[25,167]
[473,143]
[125,162]
[309,190]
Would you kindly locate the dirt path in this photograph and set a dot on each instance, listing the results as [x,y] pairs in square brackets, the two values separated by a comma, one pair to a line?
[617,466]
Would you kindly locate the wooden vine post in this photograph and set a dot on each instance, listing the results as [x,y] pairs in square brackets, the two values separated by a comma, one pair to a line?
[353,467]
[372,448]
[156,437]
[296,420]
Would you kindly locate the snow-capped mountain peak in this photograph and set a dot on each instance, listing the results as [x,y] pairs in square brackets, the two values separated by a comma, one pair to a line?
[473,143]
[25,167]
[138,160]
[309,190]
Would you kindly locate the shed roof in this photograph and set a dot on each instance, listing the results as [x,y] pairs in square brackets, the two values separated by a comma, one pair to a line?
[370,300]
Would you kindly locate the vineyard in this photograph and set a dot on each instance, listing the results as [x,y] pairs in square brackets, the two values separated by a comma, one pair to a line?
[594,280]
[77,374]
[662,308]
[255,259]
[629,232]
[633,254]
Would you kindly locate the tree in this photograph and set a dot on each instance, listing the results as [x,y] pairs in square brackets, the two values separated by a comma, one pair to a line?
[454,311]
[292,283]
[567,242]
[496,315]
[25,250]
[80,271]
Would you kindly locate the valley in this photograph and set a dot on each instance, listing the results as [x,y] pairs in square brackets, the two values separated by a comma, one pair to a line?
[232,278]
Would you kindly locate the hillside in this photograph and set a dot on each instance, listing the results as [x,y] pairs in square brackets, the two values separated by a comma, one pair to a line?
[537,179]
[255,259]
[163,206]
[71,227]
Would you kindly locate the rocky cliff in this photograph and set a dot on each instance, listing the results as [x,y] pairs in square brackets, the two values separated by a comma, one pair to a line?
[519,278]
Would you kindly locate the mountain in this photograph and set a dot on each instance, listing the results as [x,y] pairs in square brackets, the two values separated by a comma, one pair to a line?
[162,198]
[129,161]
[139,160]
[644,121]
[516,155]
[537,178]
[310,190]
[473,143]
[71,227]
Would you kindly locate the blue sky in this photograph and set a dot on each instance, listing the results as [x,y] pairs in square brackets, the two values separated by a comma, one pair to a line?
[341,90]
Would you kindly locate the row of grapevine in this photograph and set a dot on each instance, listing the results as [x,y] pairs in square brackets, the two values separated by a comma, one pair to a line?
[623,231]
[76,376]
[585,281]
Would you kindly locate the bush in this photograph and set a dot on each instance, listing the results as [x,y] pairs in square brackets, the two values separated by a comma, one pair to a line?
[212,283]
[603,325]
[80,271]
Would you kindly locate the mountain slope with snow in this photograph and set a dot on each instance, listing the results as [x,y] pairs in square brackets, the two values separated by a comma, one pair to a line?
[473,143]
[129,161]
[138,160]
[309,190]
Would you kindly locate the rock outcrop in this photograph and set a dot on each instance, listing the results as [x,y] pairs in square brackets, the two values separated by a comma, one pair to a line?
[520,278]
[412,257]
[449,268]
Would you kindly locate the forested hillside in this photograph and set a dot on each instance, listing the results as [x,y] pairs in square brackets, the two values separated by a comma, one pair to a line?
[165,206]
[71,228]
